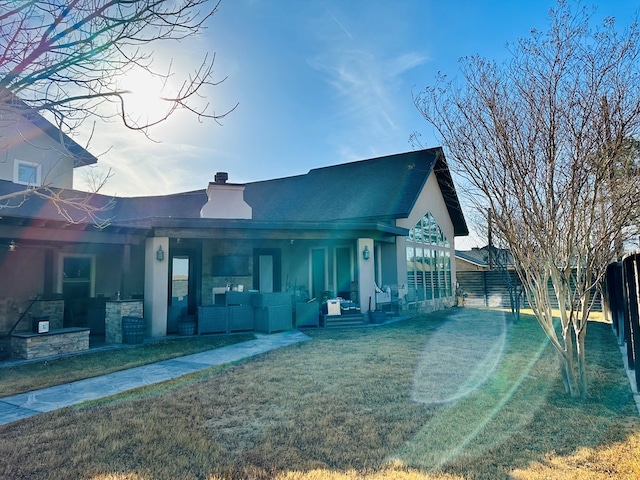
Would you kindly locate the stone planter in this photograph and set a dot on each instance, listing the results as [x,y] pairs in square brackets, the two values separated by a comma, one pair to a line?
[115,311]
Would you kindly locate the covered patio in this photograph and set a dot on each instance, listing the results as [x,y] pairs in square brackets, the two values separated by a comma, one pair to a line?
[235,275]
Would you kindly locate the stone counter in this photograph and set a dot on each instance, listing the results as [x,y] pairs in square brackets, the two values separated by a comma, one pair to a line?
[114,311]
[57,342]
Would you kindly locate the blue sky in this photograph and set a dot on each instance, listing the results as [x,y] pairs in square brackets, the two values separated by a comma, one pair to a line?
[317,82]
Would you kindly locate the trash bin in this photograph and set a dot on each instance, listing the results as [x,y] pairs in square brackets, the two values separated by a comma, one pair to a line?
[187,325]
[133,329]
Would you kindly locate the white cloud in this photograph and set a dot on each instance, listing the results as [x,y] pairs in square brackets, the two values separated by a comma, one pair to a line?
[369,78]
[142,167]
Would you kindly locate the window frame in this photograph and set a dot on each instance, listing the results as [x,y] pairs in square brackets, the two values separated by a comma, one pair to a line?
[23,163]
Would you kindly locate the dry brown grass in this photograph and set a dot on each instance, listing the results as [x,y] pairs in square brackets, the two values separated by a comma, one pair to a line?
[339,407]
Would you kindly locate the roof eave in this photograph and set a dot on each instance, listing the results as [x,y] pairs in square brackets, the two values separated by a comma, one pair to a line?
[164,222]
[472,262]
[445,182]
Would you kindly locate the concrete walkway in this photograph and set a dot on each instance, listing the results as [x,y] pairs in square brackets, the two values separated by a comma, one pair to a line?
[32,403]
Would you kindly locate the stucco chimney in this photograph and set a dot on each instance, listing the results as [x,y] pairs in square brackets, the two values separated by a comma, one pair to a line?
[226,200]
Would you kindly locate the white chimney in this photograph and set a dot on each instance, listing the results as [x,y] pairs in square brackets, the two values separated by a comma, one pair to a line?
[226,200]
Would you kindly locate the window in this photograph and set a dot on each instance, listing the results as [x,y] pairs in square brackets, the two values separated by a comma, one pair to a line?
[411,275]
[77,275]
[26,173]
[428,261]
[76,269]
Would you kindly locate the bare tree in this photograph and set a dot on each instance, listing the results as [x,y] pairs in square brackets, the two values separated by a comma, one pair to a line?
[541,138]
[65,60]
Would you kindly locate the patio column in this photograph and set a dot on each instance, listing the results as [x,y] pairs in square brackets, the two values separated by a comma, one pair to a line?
[156,286]
[366,274]
[125,274]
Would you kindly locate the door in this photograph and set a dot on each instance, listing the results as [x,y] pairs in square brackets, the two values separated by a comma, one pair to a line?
[318,272]
[267,269]
[343,272]
[184,282]
[77,284]
[179,290]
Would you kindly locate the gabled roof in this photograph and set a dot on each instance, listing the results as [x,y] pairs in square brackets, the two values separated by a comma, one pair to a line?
[384,188]
[81,156]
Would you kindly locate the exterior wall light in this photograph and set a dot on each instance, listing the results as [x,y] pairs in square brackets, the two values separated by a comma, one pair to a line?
[365,253]
[160,254]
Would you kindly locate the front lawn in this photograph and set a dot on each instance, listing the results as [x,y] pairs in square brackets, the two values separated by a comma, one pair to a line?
[46,373]
[344,406]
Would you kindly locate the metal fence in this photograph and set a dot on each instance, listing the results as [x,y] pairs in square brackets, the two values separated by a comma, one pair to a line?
[622,302]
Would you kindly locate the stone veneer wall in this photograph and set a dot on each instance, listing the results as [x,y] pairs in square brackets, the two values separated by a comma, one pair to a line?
[114,311]
[12,307]
[429,306]
[32,345]
[54,309]
[9,308]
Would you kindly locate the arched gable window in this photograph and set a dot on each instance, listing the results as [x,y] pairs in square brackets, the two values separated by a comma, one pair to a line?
[428,261]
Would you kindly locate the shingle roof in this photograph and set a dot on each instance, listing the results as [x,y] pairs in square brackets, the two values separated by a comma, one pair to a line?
[380,189]
[118,211]
[178,205]
[480,256]
[21,201]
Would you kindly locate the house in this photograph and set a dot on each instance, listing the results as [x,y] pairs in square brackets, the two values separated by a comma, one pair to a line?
[350,230]
[33,150]
[484,259]
[486,276]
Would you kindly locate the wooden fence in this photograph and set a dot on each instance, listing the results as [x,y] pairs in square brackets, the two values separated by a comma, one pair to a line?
[622,302]
[486,288]
[489,288]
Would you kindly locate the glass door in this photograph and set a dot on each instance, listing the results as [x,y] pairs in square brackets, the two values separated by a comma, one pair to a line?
[179,303]
[343,272]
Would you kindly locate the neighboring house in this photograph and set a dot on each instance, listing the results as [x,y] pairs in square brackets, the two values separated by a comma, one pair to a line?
[345,229]
[485,276]
[481,259]
[33,152]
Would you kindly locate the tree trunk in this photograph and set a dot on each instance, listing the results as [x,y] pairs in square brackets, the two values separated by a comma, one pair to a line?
[582,363]
[566,372]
